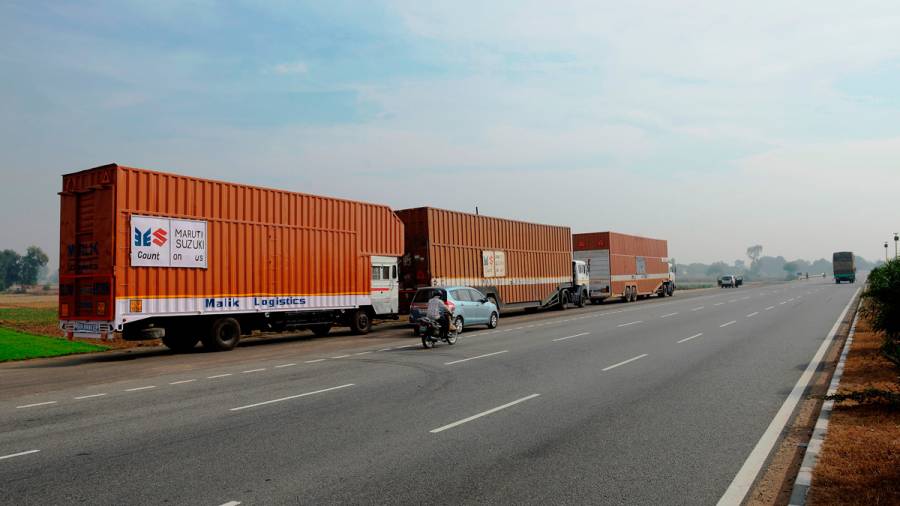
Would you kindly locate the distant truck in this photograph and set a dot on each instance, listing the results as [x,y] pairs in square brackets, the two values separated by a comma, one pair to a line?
[844,266]
[515,264]
[624,266]
[153,255]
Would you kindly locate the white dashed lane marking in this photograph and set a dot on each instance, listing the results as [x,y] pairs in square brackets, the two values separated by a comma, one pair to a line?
[689,338]
[732,322]
[29,452]
[91,396]
[632,359]
[36,404]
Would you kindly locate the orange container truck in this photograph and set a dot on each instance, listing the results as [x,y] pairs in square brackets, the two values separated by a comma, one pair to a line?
[155,255]
[625,266]
[514,263]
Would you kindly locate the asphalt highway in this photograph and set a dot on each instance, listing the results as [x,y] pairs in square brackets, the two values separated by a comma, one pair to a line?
[659,402]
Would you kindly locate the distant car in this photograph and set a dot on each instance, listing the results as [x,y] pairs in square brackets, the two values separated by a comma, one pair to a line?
[468,305]
[728,281]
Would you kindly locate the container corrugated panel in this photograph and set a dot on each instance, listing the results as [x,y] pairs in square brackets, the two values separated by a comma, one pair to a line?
[261,242]
[623,250]
[445,247]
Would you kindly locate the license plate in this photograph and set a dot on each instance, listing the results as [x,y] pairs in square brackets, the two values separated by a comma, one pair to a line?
[87,327]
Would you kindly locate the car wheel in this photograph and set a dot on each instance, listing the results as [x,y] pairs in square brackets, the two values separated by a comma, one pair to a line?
[458,322]
[492,322]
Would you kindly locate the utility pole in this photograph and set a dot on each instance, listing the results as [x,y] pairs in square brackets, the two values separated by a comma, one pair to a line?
[896,239]
[885,252]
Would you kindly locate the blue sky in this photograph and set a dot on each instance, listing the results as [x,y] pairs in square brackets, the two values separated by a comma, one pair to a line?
[712,124]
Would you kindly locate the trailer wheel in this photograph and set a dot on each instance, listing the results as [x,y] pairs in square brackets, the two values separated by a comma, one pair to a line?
[321,330]
[180,343]
[563,301]
[360,322]
[224,334]
[634,294]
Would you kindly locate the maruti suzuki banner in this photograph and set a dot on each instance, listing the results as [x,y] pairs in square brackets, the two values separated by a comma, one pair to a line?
[164,242]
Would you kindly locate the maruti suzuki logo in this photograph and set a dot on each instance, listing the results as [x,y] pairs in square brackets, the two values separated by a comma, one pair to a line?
[145,237]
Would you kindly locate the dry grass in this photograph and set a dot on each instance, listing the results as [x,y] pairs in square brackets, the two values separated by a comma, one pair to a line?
[860,461]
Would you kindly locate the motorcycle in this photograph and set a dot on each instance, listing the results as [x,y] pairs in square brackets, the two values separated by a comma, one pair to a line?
[430,330]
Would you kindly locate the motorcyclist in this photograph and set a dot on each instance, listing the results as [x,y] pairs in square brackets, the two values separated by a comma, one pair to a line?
[438,311]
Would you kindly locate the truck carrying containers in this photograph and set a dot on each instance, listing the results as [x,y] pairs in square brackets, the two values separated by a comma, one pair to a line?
[843,265]
[156,255]
[514,263]
[625,266]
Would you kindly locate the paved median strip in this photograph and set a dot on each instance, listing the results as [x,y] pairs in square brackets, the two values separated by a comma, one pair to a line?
[630,360]
[483,413]
[572,336]
[475,357]
[12,455]
[689,338]
[282,399]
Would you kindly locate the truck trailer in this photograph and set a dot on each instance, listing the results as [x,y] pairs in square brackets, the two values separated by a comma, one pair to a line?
[625,266]
[517,265]
[154,255]
[844,267]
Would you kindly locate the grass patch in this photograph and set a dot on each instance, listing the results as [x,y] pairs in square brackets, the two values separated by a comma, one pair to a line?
[28,316]
[20,346]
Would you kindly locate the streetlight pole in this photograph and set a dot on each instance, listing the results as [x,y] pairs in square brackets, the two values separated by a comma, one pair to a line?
[885,252]
[896,239]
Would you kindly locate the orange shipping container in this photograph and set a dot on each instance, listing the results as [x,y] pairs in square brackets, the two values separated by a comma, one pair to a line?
[138,245]
[516,263]
[624,265]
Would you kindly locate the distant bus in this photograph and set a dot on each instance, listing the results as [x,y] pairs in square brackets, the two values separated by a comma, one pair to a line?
[844,267]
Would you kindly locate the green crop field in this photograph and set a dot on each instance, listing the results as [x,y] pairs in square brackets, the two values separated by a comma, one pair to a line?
[19,346]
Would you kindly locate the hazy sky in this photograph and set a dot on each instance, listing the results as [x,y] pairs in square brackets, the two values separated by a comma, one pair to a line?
[708,123]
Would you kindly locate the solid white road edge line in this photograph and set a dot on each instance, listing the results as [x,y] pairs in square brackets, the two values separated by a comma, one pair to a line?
[732,322]
[689,338]
[571,337]
[18,454]
[483,413]
[36,404]
[632,359]
[473,358]
[745,477]
[291,397]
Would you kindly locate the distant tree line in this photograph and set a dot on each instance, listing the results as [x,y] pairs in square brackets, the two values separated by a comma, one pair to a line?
[25,270]
[764,267]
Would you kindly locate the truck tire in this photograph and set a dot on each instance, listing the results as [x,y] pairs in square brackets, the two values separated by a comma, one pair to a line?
[321,330]
[670,290]
[360,322]
[582,299]
[180,343]
[563,301]
[223,335]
